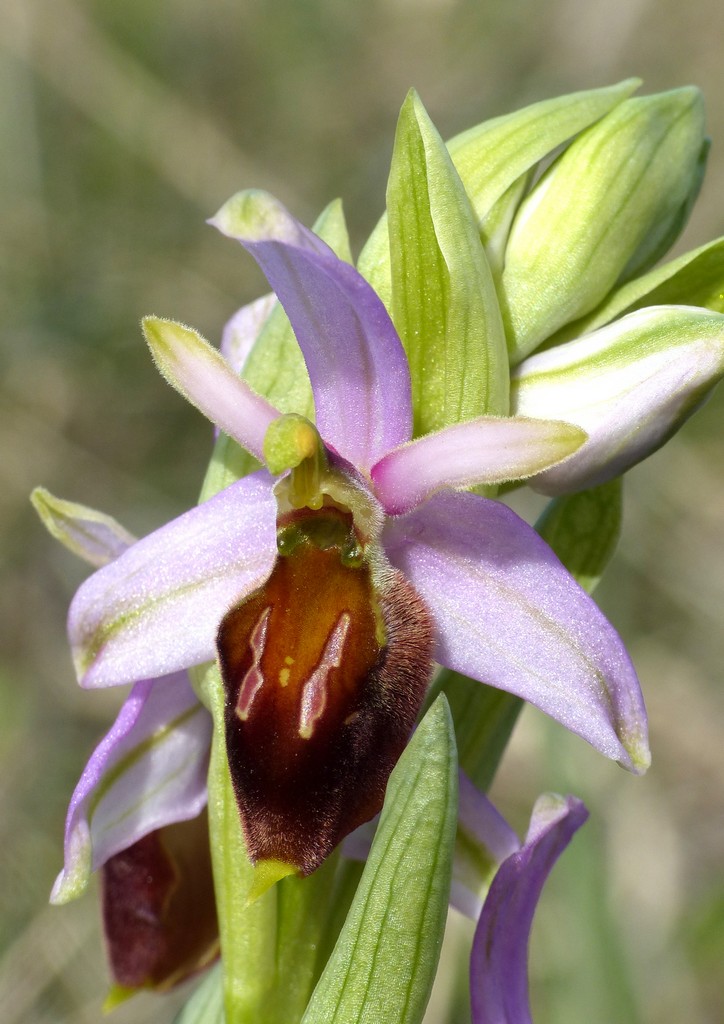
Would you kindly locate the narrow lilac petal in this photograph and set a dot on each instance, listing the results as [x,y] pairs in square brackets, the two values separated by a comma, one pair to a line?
[488,450]
[484,840]
[201,374]
[484,822]
[156,609]
[356,363]
[93,536]
[464,899]
[357,844]
[242,330]
[509,614]
[147,772]
[499,959]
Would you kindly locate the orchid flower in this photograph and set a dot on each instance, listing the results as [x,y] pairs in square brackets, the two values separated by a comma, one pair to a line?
[366,543]
[488,338]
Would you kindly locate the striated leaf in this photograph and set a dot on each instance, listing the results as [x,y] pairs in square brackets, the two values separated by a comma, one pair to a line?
[694,279]
[443,297]
[491,157]
[617,186]
[493,160]
[382,968]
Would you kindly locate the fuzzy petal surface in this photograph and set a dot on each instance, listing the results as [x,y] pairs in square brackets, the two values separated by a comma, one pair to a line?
[157,608]
[499,959]
[488,450]
[201,374]
[508,613]
[147,772]
[355,359]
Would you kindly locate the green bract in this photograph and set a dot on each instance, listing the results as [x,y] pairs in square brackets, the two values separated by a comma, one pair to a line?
[383,964]
[694,279]
[494,160]
[443,297]
[607,208]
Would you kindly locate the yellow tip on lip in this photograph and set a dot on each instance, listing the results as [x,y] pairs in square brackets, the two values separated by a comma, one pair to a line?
[266,874]
[117,994]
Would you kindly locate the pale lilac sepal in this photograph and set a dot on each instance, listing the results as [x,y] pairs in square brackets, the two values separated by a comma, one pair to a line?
[357,365]
[242,330]
[508,613]
[147,772]
[157,608]
[499,959]
[488,450]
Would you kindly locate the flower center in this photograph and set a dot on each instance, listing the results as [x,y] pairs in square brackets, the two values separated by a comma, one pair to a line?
[317,480]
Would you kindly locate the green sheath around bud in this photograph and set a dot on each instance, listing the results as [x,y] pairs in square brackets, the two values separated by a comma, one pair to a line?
[601,207]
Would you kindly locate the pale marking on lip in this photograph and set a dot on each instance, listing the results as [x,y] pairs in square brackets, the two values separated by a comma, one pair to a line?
[254,678]
[314,694]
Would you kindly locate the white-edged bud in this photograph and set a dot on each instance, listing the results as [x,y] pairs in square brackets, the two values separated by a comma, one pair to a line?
[629,385]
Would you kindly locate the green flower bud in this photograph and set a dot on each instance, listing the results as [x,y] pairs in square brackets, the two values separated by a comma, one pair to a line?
[601,213]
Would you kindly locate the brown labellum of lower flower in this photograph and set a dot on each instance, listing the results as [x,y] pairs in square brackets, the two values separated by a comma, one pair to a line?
[159,911]
[325,668]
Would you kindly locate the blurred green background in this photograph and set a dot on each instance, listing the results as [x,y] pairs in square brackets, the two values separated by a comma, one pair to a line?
[125,123]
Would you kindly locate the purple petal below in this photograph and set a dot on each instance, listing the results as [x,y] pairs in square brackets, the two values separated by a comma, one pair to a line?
[488,450]
[508,614]
[499,959]
[356,363]
[147,772]
[156,609]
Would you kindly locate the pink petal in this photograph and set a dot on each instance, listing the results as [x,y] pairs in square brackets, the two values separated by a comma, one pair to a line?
[509,614]
[356,363]
[147,772]
[156,609]
[488,450]
[202,375]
